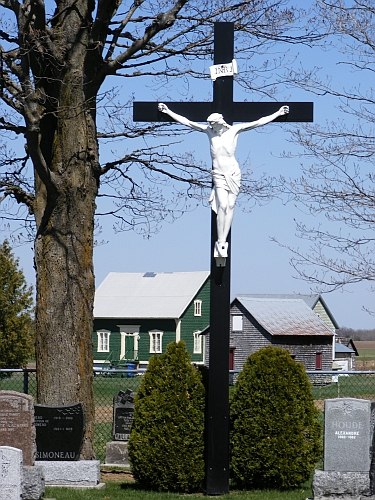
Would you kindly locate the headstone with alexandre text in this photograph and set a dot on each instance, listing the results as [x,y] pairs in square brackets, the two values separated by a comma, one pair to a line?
[123,413]
[347,435]
[17,428]
[11,472]
[59,432]
[347,451]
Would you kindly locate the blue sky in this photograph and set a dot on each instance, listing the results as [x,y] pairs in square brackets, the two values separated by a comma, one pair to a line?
[258,264]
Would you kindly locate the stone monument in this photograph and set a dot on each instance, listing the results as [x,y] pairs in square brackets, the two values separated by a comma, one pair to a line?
[11,472]
[347,443]
[123,412]
[17,432]
[59,431]
[17,423]
[59,437]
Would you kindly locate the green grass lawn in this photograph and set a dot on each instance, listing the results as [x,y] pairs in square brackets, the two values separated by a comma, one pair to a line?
[357,386]
[130,491]
[366,354]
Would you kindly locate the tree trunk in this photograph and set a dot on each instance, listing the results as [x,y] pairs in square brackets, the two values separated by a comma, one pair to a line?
[65,283]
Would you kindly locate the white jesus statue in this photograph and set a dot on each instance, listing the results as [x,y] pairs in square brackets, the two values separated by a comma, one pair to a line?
[226,173]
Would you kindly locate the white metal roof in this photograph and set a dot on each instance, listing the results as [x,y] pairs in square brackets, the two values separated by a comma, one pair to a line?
[285,316]
[310,299]
[147,295]
[342,348]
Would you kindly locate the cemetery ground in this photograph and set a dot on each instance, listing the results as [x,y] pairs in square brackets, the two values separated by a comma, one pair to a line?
[122,487]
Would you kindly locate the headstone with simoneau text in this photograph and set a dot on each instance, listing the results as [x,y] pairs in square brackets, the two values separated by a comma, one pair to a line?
[59,432]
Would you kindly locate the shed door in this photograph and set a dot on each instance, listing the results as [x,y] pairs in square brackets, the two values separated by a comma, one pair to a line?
[231,358]
[318,361]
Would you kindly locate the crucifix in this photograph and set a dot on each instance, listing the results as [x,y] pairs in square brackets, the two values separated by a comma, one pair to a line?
[222,112]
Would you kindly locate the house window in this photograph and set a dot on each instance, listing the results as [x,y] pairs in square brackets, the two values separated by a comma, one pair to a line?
[103,340]
[318,361]
[237,323]
[156,345]
[197,342]
[197,308]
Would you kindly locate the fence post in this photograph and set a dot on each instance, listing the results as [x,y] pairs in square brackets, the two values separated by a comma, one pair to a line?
[25,381]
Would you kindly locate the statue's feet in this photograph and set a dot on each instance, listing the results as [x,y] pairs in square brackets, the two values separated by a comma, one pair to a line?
[221,249]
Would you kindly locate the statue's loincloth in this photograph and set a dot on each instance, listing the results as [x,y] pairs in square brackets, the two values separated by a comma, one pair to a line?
[230,181]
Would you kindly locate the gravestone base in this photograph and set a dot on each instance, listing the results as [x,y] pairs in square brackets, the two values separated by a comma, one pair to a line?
[33,483]
[334,485]
[117,453]
[80,473]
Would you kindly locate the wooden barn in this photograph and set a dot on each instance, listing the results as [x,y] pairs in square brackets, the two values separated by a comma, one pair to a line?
[289,323]
[137,314]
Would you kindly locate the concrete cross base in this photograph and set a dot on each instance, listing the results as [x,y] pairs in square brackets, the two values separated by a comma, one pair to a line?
[80,473]
[117,454]
[333,485]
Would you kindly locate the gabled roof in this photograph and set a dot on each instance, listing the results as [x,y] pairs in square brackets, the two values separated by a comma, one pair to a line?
[147,295]
[342,348]
[310,299]
[285,316]
[348,342]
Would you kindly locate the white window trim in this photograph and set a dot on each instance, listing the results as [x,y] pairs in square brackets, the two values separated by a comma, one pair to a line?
[197,348]
[152,333]
[197,307]
[101,333]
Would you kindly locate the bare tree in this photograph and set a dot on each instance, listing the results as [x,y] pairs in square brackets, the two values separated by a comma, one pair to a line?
[338,170]
[53,67]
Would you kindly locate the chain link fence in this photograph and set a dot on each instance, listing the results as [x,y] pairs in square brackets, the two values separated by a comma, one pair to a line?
[107,383]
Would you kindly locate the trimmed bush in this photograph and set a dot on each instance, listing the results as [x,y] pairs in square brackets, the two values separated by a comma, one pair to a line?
[166,446]
[275,434]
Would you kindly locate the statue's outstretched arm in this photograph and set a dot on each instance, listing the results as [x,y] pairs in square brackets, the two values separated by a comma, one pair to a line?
[181,119]
[284,110]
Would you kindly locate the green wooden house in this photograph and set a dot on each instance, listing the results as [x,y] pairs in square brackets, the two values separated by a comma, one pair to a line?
[136,315]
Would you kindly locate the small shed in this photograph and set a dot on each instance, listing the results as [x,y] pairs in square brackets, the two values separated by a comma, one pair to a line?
[345,357]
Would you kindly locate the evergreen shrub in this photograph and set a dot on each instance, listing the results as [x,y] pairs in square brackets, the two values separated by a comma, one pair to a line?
[166,445]
[275,434]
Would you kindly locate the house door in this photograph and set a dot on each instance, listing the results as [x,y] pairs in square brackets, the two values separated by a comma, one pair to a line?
[231,358]
[129,347]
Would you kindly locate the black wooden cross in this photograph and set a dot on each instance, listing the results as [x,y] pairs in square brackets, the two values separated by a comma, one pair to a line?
[217,402]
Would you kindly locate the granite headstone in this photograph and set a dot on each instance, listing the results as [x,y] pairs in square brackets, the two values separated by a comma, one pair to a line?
[347,430]
[347,435]
[59,432]
[10,473]
[17,428]
[123,413]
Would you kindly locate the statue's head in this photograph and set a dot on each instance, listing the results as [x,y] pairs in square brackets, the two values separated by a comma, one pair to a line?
[217,118]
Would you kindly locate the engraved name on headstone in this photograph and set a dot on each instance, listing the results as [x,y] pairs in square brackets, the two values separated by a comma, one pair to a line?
[17,423]
[11,471]
[123,412]
[347,435]
[59,432]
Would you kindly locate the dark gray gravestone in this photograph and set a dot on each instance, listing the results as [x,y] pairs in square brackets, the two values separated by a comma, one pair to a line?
[123,413]
[59,432]
[347,435]
[17,423]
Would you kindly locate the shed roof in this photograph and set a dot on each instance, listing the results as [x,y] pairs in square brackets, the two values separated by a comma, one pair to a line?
[147,295]
[342,348]
[285,316]
[310,299]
